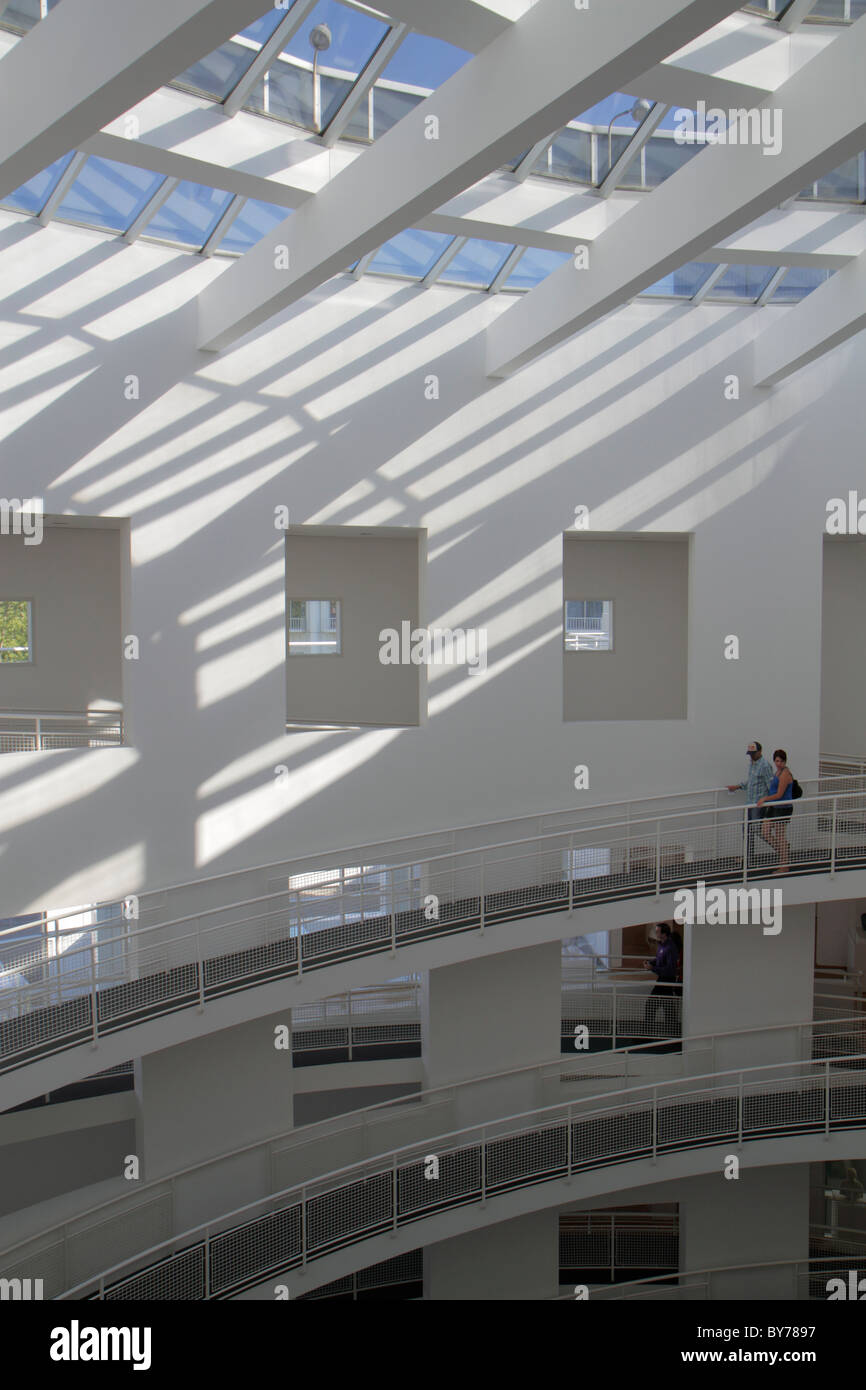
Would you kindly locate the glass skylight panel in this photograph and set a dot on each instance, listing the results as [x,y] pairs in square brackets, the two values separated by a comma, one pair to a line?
[286,93]
[682,283]
[534,266]
[354,37]
[390,106]
[253,222]
[569,157]
[421,61]
[799,281]
[108,195]
[261,29]
[189,215]
[842,185]
[411,254]
[23,14]
[477,264]
[34,194]
[743,282]
[217,73]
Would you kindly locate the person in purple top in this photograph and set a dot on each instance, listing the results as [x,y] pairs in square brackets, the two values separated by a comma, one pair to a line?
[665,966]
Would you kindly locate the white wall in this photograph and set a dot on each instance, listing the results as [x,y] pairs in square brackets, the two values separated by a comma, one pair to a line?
[325,411]
[843,663]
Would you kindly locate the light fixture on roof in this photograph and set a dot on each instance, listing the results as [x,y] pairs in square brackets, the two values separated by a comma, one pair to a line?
[320,38]
[638,113]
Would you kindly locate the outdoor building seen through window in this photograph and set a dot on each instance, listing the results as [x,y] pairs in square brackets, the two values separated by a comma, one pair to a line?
[314,627]
[589,625]
[16,635]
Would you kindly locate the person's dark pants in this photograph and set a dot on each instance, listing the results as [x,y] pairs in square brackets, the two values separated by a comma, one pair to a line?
[662,999]
[756,813]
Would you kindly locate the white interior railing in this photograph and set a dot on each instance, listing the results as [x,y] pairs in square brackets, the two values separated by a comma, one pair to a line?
[95,987]
[307,1221]
[76,1248]
[30,732]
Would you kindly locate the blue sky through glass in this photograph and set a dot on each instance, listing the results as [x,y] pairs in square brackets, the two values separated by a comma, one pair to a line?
[684,282]
[478,263]
[742,282]
[424,62]
[254,221]
[189,215]
[534,266]
[355,37]
[412,253]
[108,194]
[34,194]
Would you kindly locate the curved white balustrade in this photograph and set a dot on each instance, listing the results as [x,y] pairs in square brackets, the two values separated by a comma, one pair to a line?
[77,1248]
[302,1224]
[186,963]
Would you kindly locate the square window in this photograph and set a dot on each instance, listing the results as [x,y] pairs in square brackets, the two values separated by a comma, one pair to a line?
[16,630]
[589,625]
[314,627]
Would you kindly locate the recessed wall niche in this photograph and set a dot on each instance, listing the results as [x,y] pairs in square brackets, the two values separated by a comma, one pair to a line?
[356,582]
[70,577]
[642,582]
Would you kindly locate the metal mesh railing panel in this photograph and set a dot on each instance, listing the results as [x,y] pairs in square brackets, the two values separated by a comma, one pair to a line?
[459,1179]
[180,1278]
[271,1242]
[334,1215]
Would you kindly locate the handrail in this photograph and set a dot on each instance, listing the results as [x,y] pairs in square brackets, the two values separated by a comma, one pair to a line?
[359,852]
[386,1211]
[614,1291]
[298,929]
[416,1102]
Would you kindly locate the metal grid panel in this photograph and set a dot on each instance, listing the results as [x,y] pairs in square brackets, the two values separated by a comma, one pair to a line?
[796,1103]
[131,1228]
[343,1211]
[646,1249]
[319,1038]
[709,1114]
[270,1243]
[46,1263]
[459,1180]
[180,1278]
[848,1096]
[626,1130]
[532,1154]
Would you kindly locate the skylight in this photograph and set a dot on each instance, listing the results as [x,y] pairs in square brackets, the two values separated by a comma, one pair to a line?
[477,263]
[254,221]
[534,266]
[108,195]
[412,254]
[32,196]
[189,215]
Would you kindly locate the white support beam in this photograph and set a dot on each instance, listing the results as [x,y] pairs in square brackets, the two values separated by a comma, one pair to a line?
[531,158]
[721,190]
[465,23]
[374,69]
[709,284]
[828,316]
[150,209]
[796,12]
[363,265]
[230,215]
[90,61]
[442,264]
[62,187]
[621,166]
[530,80]
[771,286]
[268,55]
[504,273]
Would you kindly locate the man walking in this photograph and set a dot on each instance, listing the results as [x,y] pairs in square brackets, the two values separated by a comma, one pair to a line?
[756,785]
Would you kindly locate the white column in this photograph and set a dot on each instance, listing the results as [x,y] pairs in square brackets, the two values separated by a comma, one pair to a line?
[212,1096]
[737,978]
[761,1216]
[489,1015]
[516,1260]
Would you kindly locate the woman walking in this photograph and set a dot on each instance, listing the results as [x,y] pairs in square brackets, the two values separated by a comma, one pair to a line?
[779,809]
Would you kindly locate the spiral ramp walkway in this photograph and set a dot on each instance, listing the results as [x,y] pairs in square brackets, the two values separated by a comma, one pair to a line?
[222,951]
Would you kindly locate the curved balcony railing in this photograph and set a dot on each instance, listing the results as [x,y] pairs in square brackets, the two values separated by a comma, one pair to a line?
[303,1224]
[185,962]
[75,1249]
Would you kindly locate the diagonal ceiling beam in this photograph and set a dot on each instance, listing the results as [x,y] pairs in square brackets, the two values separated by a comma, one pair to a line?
[374,69]
[464,23]
[830,315]
[268,55]
[56,88]
[720,190]
[555,61]
[797,11]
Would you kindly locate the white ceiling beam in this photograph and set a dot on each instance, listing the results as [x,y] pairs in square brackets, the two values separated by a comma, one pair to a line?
[442,262]
[62,187]
[720,190]
[374,69]
[231,214]
[830,315]
[710,283]
[622,165]
[504,273]
[803,235]
[150,209]
[463,23]
[268,55]
[524,168]
[796,12]
[771,286]
[532,78]
[58,88]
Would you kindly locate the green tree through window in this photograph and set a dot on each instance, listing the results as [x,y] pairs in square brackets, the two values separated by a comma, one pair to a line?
[14,630]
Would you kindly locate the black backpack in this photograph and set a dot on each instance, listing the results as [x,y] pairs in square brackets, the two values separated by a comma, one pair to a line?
[796,790]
